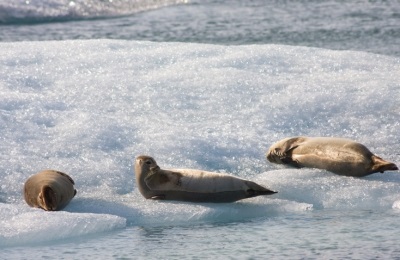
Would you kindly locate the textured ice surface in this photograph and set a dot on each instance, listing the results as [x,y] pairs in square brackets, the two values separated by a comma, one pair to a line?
[88,108]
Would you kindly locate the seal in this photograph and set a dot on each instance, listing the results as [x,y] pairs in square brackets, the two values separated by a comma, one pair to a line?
[192,185]
[49,190]
[338,155]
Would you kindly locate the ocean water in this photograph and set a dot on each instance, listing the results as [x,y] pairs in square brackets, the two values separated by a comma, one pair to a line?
[89,107]
[371,26]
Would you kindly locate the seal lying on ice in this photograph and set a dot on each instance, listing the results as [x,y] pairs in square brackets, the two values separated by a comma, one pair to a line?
[192,185]
[50,190]
[337,155]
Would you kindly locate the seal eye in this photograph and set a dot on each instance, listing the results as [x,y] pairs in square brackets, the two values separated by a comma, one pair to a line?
[148,162]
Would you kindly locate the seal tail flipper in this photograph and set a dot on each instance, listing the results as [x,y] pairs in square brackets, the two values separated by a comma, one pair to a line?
[380,165]
[47,199]
[257,190]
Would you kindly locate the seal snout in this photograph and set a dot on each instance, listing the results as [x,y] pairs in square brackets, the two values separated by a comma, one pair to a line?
[144,159]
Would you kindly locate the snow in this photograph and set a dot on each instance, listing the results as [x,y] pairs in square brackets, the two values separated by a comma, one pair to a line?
[88,108]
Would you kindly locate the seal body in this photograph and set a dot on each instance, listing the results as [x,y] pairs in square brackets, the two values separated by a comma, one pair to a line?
[50,190]
[338,155]
[192,185]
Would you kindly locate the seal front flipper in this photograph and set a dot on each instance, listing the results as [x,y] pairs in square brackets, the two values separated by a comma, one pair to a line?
[286,156]
[164,180]
[289,160]
[154,180]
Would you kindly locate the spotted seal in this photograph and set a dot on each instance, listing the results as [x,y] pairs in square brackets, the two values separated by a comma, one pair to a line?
[192,185]
[50,190]
[338,155]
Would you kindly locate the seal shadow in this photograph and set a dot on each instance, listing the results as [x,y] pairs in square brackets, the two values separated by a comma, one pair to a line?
[101,206]
[389,176]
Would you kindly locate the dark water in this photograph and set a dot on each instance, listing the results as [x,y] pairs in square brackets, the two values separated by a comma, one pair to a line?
[372,26]
[318,235]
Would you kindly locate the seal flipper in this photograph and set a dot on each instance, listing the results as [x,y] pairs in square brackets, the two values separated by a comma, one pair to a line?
[257,190]
[47,199]
[165,180]
[380,165]
[254,193]
[287,158]
[154,180]
[291,162]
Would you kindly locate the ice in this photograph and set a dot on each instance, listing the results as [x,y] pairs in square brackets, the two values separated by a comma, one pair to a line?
[396,204]
[88,108]
[20,225]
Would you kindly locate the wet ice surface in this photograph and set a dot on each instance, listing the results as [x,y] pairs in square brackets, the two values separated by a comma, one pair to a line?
[89,107]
